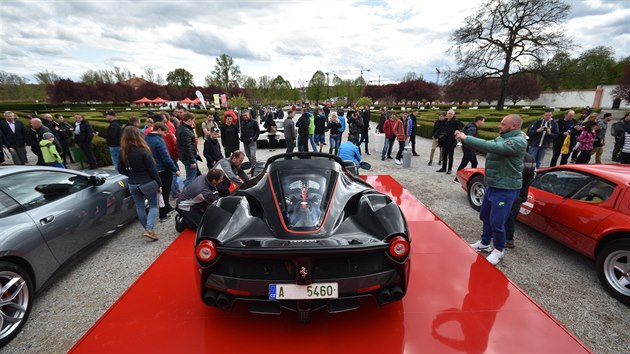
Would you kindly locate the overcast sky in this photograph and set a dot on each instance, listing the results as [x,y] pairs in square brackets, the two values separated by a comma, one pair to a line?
[288,38]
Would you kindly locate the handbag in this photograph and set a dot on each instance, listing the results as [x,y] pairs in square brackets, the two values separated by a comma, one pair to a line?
[149,187]
[565,145]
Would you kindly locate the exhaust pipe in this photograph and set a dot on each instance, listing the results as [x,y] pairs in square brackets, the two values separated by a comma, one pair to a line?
[224,301]
[397,292]
[210,297]
[384,296]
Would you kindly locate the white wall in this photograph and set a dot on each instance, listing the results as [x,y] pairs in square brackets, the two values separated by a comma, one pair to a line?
[573,98]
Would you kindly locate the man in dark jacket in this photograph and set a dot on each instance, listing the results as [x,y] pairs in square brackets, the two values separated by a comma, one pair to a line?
[436,134]
[541,133]
[38,129]
[212,148]
[249,137]
[83,135]
[15,134]
[64,132]
[112,136]
[447,140]
[303,126]
[197,196]
[365,119]
[470,155]
[414,129]
[565,128]
[529,171]
[229,135]
[187,146]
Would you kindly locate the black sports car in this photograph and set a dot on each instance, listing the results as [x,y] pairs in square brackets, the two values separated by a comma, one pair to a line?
[303,235]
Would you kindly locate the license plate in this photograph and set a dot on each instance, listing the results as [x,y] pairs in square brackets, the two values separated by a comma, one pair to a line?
[303,292]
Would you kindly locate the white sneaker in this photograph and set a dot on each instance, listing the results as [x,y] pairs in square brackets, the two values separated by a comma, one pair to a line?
[495,256]
[478,246]
[398,162]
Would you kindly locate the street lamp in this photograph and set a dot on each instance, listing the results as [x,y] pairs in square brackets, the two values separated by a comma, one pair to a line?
[327,86]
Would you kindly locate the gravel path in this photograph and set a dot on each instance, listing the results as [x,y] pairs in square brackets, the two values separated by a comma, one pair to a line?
[563,282]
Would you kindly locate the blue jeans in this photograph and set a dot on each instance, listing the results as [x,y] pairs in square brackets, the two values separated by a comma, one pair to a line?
[191,173]
[538,153]
[311,138]
[495,211]
[387,147]
[114,152]
[335,140]
[147,221]
[250,152]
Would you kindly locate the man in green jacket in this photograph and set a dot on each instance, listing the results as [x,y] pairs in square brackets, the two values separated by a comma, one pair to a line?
[503,179]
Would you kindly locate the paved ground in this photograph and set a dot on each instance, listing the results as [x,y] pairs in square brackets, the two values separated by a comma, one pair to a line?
[561,281]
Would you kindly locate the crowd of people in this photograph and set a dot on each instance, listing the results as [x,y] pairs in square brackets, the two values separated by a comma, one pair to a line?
[149,153]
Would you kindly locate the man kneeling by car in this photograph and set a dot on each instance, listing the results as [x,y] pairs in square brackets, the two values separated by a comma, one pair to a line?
[196,197]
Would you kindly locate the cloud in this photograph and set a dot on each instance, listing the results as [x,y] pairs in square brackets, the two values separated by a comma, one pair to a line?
[288,38]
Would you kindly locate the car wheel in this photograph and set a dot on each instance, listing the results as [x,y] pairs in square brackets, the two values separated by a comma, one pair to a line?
[613,269]
[16,300]
[476,189]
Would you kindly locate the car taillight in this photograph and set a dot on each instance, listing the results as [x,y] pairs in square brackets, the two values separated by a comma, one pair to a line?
[206,251]
[398,247]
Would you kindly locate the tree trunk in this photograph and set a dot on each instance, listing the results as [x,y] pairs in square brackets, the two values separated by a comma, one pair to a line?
[505,75]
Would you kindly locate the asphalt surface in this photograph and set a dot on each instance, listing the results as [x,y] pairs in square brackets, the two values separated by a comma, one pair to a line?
[563,282]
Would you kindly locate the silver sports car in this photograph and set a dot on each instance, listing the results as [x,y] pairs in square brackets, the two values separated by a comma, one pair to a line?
[48,216]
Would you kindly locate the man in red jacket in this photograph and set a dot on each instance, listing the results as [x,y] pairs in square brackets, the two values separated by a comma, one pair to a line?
[390,137]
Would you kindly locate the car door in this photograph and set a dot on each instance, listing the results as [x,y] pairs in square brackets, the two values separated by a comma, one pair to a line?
[20,237]
[63,206]
[562,202]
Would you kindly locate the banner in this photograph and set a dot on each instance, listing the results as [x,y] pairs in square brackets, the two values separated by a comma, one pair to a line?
[201,99]
[216,100]
[224,102]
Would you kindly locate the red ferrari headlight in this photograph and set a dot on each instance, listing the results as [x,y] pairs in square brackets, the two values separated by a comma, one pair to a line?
[398,247]
[206,251]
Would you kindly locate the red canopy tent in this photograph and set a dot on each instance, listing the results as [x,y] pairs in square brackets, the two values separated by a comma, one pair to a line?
[196,101]
[143,100]
[159,100]
[186,101]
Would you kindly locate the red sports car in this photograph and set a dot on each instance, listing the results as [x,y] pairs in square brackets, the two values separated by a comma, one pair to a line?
[585,207]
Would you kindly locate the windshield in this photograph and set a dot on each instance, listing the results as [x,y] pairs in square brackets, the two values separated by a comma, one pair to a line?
[304,198]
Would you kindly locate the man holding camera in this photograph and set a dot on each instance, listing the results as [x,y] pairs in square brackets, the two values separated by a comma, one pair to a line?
[541,133]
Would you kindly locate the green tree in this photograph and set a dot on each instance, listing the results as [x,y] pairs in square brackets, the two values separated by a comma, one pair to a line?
[280,88]
[179,78]
[47,77]
[364,102]
[316,90]
[226,74]
[595,66]
[504,36]
[238,102]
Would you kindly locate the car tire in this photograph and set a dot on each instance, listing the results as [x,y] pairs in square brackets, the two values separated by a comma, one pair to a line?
[476,189]
[17,300]
[612,261]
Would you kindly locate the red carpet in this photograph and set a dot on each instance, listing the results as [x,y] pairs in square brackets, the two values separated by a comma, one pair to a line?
[457,302]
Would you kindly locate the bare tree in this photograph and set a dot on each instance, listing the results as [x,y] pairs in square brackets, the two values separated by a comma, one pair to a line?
[504,36]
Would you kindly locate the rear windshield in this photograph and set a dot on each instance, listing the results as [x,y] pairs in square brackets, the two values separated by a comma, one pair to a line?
[303,199]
